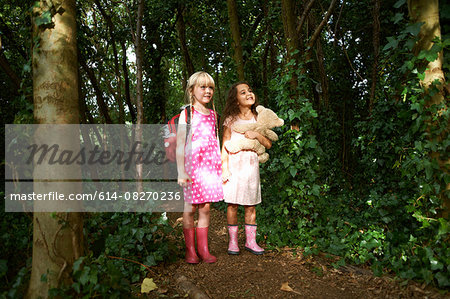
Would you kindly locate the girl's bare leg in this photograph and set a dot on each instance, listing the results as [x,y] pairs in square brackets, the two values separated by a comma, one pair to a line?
[188,215]
[250,215]
[203,215]
[232,214]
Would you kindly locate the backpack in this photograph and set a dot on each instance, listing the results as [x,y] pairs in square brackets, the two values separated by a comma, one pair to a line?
[170,134]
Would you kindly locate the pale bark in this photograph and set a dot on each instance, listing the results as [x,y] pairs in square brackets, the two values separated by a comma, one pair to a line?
[236,35]
[57,239]
[127,84]
[427,11]
[139,92]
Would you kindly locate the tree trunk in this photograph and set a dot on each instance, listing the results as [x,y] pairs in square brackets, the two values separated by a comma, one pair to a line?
[291,36]
[292,40]
[58,237]
[139,92]
[103,108]
[323,75]
[118,92]
[427,11]
[5,65]
[127,83]
[181,29]
[376,51]
[236,35]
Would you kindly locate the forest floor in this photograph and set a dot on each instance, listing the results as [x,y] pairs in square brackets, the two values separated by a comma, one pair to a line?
[276,274]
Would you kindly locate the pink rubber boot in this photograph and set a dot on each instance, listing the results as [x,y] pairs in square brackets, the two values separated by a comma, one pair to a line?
[189,240]
[250,240]
[233,239]
[202,245]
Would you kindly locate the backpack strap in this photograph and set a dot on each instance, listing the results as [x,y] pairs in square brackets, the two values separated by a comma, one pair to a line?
[187,114]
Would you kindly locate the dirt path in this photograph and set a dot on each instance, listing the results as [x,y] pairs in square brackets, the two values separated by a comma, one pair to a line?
[276,275]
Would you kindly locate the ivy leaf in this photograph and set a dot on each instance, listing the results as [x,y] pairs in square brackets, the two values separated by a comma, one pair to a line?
[150,261]
[77,264]
[315,190]
[3,267]
[421,76]
[44,19]
[148,285]
[443,227]
[312,143]
[293,171]
[76,287]
[435,264]
[414,29]
[397,18]
[392,43]
[442,279]
[84,277]
[399,3]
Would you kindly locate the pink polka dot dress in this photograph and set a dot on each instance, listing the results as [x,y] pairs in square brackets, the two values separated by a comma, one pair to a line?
[202,161]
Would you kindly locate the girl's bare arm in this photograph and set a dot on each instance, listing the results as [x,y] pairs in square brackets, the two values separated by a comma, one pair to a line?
[181,141]
[225,170]
[262,139]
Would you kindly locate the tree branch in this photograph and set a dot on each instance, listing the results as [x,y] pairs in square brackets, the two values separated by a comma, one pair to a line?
[6,31]
[4,64]
[321,25]
[304,15]
[99,94]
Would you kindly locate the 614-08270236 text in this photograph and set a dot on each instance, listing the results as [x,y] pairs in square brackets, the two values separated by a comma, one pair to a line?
[108,195]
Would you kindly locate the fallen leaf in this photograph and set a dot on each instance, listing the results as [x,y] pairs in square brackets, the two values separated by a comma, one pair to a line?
[177,222]
[148,285]
[285,287]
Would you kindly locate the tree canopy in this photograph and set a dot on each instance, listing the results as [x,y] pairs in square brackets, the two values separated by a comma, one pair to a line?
[361,166]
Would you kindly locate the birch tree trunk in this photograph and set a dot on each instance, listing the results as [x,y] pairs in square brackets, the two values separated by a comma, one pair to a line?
[139,92]
[427,11]
[57,237]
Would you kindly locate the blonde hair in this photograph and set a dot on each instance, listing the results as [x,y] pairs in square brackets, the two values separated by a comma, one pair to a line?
[199,78]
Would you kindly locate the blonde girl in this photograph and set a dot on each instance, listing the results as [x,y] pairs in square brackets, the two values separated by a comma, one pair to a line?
[199,165]
[241,170]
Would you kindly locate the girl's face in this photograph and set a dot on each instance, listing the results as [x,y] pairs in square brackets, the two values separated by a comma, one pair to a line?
[245,95]
[203,93]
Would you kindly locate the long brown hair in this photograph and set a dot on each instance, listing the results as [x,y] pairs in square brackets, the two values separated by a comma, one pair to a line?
[232,107]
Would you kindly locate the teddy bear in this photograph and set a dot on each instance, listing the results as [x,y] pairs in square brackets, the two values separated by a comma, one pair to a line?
[266,120]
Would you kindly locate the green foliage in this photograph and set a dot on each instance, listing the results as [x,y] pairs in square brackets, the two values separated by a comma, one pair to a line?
[16,238]
[119,244]
[356,182]
[384,210]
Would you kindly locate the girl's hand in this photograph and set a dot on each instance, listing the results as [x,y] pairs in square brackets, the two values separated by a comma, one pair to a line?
[262,139]
[225,175]
[251,134]
[183,179]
